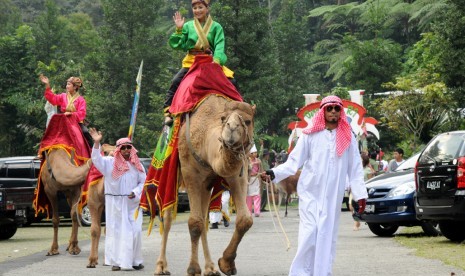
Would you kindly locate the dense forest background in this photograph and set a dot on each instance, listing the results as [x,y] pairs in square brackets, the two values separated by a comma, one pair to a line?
[279,50]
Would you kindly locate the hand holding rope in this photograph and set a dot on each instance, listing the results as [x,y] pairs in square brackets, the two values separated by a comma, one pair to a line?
[267,176]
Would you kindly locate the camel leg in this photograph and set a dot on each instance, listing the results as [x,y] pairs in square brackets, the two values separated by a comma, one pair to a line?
[199,198]
[243,223]
[95,232]
[96,202]
[288,196]
[73,199]
[162,265]
[210,269]
[52,197]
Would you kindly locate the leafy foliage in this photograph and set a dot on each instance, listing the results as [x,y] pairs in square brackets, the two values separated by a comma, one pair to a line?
[278,49]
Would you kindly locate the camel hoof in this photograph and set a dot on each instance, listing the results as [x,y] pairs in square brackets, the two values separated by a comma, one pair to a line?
[75,252]
[212,273]
[162,269]
[93,262]
[227,268]
[194,271]
[52,253]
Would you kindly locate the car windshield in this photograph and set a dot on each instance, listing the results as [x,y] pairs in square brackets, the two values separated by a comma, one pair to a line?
[409,163]
[444,148]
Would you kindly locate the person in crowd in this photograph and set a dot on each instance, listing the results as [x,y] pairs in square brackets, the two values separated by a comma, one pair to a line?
[70,102]
[264,156]
[328,154]
[373,163]
[382,164]
[123,183]
[199,36]
[398,159]
[253,189]
[368,172]
[223,214]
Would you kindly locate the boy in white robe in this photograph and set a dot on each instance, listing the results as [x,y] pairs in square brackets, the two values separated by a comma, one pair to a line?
[123,183]
[328,154]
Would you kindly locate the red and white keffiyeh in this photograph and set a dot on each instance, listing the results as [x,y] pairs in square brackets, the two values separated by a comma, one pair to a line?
[343,130]
[120,166]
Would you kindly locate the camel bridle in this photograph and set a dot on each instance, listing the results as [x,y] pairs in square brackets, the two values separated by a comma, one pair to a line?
[238,151]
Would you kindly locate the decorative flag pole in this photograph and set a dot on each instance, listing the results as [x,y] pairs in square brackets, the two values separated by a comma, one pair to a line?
[135,105]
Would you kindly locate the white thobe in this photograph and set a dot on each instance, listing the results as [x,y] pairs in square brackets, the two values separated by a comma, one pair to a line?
[123,234]
[321,189]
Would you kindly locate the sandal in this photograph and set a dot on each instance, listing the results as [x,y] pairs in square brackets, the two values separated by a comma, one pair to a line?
[168,121]
[138,267]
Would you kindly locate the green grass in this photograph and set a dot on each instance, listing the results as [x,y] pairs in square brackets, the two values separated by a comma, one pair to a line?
[439,248]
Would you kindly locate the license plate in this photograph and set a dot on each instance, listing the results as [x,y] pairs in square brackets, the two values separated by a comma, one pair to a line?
[20,213]
[433,185]
[370,209]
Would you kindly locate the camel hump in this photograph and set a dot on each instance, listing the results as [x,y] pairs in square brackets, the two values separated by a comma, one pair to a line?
[241,106]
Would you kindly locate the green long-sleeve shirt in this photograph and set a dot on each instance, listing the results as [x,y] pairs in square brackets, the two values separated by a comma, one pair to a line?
[186,40]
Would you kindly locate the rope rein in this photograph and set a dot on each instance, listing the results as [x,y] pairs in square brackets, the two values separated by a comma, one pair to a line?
[269,183]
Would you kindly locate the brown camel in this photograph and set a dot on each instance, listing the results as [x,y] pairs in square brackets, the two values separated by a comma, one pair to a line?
[219,136]
[288,186]
[96,203]
[60,174]
[211,150]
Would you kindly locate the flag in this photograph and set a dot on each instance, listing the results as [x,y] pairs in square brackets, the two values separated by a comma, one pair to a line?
[135,105]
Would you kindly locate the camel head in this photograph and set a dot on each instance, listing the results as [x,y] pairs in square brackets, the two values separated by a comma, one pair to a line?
[237,126]
[108,149]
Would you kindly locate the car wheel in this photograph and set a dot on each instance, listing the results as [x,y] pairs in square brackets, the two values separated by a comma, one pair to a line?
[383,230]
[8,230]
[86,219]
[431,228]
[453,230]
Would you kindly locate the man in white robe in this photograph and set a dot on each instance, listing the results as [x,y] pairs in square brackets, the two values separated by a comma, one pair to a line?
[124,178]
[328,154]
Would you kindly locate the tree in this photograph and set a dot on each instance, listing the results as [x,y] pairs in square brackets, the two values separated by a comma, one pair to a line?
[10,17]
[127,39]
[50,32]
[291,32]
[20,104]
[372,63]
[252,55]
[419,111]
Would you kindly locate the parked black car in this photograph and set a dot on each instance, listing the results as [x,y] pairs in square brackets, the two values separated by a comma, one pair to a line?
[18,178]
[14,203]
[390,202]
[440,184]
[21,173]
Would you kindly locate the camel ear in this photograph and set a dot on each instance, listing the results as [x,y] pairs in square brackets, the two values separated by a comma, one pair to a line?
[254,107]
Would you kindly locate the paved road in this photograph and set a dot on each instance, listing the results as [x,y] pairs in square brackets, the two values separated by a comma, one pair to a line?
[262,252]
